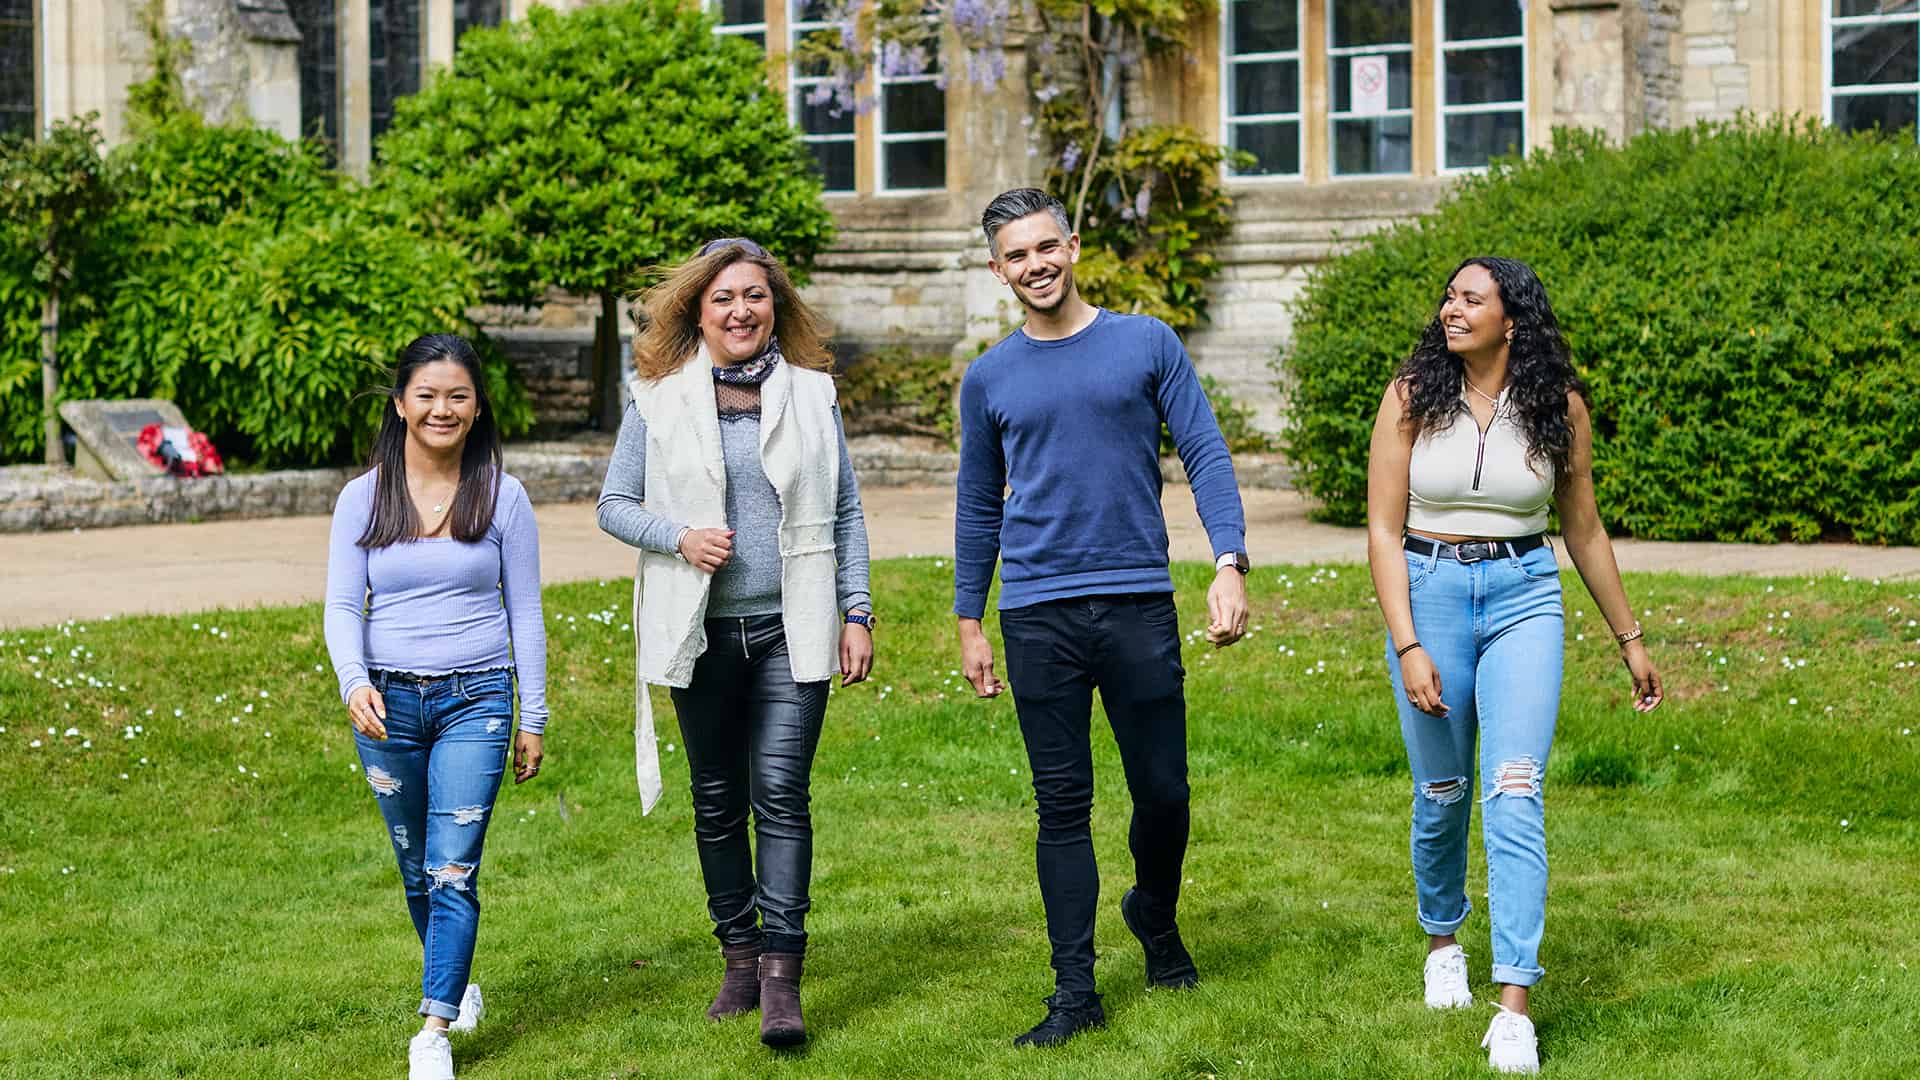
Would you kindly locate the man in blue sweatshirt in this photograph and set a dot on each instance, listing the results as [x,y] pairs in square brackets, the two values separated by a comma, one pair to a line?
[1063,417]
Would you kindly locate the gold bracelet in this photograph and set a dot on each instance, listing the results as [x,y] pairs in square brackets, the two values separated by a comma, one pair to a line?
[1632,635]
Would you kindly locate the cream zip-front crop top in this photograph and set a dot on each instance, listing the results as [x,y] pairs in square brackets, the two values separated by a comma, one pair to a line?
[1463,482]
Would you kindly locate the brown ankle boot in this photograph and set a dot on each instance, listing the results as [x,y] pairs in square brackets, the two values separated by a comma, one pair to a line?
[740,986]
[780,1022]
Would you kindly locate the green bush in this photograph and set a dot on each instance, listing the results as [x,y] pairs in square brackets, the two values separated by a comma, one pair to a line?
[899,392]
[257,288]
[1743,300]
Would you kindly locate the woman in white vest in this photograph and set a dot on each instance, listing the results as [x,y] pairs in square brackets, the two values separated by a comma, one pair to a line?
[731,475]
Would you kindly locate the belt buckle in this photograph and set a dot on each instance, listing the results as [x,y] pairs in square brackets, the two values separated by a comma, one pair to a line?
[1473,551]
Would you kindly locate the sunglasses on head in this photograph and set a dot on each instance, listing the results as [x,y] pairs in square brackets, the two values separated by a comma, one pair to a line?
[740,242]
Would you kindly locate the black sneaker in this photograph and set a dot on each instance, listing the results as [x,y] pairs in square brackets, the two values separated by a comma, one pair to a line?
[1064,1022]
[1169,965]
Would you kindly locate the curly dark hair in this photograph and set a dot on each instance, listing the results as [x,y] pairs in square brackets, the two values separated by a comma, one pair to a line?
[1539,367]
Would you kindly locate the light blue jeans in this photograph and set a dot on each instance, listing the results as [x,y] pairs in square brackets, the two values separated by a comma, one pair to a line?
[435,778]
[1495,629]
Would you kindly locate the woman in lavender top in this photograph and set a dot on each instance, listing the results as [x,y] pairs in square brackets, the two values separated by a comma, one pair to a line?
[433,619]
[731,476]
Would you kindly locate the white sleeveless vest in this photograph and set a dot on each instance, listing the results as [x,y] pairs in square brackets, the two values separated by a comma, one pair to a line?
[686,481]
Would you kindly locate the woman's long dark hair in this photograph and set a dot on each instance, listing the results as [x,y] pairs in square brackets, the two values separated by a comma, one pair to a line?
[481,459]
[1539,368]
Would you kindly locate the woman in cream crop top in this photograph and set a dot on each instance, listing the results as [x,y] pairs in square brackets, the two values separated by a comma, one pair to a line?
[1483,428]
[1462,481]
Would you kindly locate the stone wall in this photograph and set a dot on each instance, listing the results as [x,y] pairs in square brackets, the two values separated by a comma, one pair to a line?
[1654,28]
[39,498]
[45,498]
[1591,82]
[1718,58]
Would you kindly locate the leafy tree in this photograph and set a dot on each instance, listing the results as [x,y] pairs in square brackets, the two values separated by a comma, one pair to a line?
[573,151]
[54,195]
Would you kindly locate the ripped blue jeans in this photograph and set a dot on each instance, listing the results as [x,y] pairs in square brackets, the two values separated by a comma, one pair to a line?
[1495,629]
[435,778]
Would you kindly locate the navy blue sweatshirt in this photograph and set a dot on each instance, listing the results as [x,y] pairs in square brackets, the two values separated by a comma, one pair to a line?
[1073,428]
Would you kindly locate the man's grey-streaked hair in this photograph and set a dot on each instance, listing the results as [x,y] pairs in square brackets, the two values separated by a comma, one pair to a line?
[1010,206]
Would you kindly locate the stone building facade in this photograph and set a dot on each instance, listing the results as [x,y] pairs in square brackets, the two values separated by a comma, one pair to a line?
[1359,112]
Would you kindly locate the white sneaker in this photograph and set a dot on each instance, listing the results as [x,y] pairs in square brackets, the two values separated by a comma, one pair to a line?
[1446,979]
[429,1056]
[1511,1046]
[471,1010]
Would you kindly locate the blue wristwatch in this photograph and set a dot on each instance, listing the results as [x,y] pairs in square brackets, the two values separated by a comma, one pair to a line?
[859,618]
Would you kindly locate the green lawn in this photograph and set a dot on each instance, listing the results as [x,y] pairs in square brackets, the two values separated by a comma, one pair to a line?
[1736,878]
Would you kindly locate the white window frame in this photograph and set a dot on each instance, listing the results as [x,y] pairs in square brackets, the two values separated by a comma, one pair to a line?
[741,29]
[1334,56]
[1229,85]
[798,85]
[1441,48]
[885,139]
[1828,20]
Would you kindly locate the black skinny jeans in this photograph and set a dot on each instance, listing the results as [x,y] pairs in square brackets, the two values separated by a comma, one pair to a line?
[750,733]
[1058,653]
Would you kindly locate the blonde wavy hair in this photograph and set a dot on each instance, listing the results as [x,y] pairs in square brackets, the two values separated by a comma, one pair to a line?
[669,332]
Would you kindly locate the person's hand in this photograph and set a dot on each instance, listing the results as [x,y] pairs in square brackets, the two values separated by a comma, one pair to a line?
[1422,682]
[1647,691]
[1227,607]
[976,659]
[707,550]
[368,711]
[856,653]
[528,750]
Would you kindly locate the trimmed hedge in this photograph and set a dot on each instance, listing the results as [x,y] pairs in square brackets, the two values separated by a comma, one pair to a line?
[1743,300]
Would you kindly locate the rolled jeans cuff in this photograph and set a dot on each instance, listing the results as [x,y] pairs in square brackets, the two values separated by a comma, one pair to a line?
[1448,926]
[430,1007]
[1515,976]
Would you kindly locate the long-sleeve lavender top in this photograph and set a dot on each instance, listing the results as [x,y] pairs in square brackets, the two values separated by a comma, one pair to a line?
[435,605]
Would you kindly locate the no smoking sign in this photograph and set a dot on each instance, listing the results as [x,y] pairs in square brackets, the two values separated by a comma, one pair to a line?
[1367,84]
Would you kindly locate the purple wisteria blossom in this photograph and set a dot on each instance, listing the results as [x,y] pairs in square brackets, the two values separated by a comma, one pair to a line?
[898,61]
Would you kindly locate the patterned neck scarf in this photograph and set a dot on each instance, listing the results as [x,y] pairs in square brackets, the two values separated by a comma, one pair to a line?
[750,372]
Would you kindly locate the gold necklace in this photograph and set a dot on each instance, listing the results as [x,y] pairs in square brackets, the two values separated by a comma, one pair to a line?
[1494,401]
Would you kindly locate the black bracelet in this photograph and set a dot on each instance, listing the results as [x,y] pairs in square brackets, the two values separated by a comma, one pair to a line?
[1410,646]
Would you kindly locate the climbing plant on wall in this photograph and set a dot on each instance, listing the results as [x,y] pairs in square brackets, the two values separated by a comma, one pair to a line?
[1146,198]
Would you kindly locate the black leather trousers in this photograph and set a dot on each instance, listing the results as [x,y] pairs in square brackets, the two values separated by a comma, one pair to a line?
[750,733]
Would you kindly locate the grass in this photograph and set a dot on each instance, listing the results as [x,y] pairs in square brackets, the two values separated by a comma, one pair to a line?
[1734,876]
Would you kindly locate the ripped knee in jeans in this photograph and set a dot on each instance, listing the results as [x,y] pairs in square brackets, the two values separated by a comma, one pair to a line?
[1518,777]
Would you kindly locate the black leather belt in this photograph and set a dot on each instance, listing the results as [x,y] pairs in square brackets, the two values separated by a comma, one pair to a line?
[412,679]
[1473,551]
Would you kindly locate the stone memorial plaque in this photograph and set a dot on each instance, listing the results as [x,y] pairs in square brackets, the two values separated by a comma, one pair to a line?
[109,430]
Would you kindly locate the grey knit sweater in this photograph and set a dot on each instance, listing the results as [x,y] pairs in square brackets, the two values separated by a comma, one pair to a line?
[749,584]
